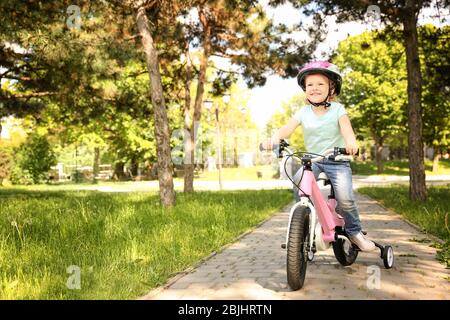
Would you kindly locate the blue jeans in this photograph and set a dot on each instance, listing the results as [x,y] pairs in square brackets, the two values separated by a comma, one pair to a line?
[340,175]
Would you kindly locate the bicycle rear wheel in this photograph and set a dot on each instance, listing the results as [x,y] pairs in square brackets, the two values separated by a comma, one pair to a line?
[297,247]
[344,252]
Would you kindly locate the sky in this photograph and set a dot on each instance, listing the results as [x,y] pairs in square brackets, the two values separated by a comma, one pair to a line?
[264,101]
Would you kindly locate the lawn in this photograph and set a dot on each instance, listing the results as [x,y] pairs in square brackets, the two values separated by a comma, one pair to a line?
[365,168]
[124,244]
[253,173]
[398,168]
[432,215]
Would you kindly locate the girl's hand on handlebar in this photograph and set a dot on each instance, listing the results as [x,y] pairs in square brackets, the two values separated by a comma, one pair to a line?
[351,149]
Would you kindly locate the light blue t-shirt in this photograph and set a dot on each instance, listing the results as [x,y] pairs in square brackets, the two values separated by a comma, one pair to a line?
[321,132]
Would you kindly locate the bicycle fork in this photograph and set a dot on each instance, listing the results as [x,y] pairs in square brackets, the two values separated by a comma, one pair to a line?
[304,201]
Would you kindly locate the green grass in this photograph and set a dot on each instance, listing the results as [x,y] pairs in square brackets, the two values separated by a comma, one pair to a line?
[124,244]
[267,172]
[397,167]
[365,168]
[432,216]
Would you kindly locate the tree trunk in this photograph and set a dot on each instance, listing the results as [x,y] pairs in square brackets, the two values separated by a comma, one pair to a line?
[235,147]
[189,141]
[436,158]
[417,186]
[96,166]
[134,166]
[162,134]
[379,157]
[118,171]
[189,172]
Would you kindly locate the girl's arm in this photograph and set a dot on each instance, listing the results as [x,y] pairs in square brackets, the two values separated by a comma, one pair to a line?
[282,133]
[351,145]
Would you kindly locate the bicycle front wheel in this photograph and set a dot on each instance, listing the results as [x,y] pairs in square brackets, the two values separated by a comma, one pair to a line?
[297,247]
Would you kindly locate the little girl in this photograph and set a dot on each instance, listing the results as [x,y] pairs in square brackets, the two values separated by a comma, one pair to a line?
[326,125]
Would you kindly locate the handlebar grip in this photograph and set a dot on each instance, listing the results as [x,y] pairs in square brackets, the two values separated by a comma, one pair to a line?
[344,152]
[275,147]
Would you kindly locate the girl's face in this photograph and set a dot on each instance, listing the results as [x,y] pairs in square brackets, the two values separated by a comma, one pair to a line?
[317,87]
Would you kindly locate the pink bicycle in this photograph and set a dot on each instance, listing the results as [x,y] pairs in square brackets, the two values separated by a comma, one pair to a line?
[314,224]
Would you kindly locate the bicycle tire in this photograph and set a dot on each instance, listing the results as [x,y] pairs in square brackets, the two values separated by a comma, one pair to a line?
[297,247]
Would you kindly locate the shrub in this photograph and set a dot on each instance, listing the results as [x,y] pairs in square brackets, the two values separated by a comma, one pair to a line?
[35,156]
[21,176]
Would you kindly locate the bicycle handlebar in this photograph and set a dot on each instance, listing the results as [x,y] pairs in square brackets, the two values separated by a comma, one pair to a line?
[337,152]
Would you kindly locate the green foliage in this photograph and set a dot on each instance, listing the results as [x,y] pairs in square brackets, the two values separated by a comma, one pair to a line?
[21,176]
[374,89]
[36,155]
[443,253]
[435,62]
[375,85]
[281,118]
[85,81]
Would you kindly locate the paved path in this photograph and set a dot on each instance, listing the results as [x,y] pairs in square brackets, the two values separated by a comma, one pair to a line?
[255,267]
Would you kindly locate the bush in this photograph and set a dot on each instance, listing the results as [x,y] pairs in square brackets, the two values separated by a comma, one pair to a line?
[35,156]
[81,176]
[21,176]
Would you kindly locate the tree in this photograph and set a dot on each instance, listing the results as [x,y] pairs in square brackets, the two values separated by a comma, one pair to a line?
[162,134]
[51,52]
[240,32]
[280,119]
[37,156]
[393,13]
[374,87]
[41,58]
[6,164]
[237,127]
[434,48]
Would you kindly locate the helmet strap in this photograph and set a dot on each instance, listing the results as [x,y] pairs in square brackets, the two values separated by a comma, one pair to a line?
[324,103]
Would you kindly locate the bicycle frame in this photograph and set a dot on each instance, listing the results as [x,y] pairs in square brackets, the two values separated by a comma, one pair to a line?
[320,209]
[324,210]
[326,227]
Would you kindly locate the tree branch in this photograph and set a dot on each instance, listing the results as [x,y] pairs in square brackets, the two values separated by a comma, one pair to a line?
[34,94]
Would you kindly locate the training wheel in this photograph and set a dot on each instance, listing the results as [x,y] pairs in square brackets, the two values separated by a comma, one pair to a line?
[388,257]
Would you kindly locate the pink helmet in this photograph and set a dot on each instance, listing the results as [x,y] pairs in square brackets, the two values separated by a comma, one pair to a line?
[330,70]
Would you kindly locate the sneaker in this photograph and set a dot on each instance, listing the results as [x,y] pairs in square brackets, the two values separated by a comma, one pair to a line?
[362,243]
